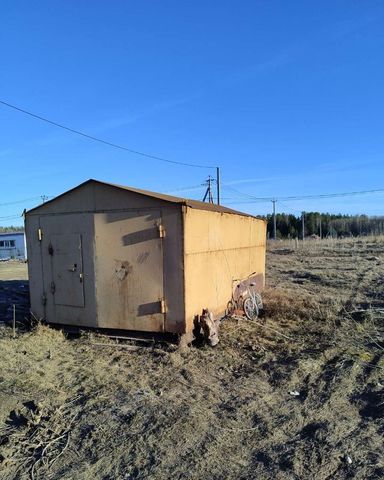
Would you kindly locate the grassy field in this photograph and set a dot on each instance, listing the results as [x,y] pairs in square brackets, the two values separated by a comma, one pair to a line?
[13,270]
[299,397]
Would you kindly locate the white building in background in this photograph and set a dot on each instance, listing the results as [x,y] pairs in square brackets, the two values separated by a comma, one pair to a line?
[12,245]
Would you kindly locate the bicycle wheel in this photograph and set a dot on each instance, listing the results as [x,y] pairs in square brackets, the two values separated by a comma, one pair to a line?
[251,309]
[230,309]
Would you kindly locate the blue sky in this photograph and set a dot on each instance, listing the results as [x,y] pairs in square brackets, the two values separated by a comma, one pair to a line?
[286,96]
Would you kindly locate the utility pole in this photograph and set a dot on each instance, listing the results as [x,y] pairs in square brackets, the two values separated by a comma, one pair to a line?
[218,184]
[303,225]
[274,218]
[208,192]
[44,198]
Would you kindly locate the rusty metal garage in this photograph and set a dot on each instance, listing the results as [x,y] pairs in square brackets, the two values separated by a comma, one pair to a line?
[107,256]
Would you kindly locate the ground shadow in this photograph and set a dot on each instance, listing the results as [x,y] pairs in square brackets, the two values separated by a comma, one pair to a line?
[14,292]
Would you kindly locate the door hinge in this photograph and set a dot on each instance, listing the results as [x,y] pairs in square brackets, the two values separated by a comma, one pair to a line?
[161,230]
[40,234]
[163,305]
[53,288]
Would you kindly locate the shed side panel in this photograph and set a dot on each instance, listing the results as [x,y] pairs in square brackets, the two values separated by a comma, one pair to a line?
[218,249]
[35,271]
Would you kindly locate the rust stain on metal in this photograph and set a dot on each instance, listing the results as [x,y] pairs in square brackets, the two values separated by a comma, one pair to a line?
[122,269]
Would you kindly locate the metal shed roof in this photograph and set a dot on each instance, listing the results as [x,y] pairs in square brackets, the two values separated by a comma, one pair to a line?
[161,196]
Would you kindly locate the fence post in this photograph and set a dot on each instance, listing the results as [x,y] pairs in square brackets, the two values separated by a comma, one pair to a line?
[14,321]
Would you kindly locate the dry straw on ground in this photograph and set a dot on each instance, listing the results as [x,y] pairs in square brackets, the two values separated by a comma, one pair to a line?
[299,396]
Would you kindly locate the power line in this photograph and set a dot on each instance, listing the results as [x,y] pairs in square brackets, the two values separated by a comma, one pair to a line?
[242,193]
[305,197]
[11,217]
[22,201]
[100,140]
[290,208]
[186,189]
[334,195]
[19,201]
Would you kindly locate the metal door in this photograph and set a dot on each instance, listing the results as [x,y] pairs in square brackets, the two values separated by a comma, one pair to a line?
[129,265]
[67,269]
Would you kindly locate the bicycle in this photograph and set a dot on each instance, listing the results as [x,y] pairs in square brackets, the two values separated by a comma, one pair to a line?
[253,303]
[245,298]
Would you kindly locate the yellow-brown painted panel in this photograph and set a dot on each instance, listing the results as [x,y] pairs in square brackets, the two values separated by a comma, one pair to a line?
[129,270]
[219,248]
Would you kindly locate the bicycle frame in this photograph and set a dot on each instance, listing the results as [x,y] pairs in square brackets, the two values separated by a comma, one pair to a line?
[240,292]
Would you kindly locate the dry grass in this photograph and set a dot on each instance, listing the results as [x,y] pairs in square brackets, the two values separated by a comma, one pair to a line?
[13,270]
[69,409]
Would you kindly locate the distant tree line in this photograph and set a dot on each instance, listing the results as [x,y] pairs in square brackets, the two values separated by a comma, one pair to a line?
[315,223]
[11,229]
[325,225]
